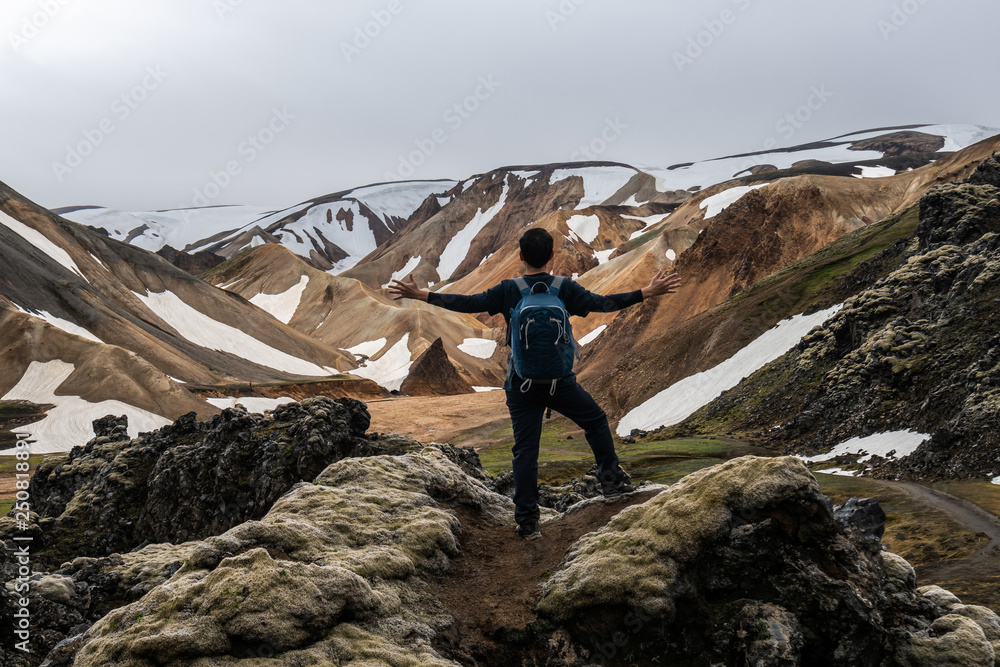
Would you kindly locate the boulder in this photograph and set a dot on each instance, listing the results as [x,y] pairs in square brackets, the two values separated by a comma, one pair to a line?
[192,479]
[747,555]
[330,574]
[951,641]
[862,516]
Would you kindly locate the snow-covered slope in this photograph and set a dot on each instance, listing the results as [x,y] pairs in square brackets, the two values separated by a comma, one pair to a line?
[838,150]
[128,328]
[336,231]
[178,228]
[681,399]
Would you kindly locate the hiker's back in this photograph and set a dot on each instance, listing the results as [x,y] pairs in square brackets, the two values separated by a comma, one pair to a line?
[541,337]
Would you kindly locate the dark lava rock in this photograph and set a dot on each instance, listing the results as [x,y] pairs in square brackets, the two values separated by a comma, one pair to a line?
[192,479]
[864,517]
[109,426]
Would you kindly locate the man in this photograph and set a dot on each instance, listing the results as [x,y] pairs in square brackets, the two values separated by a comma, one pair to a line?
[527,401]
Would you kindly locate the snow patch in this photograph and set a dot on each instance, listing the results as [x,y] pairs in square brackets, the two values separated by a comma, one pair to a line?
[178,228]
[711,172]
[599,183]
[584,227]
[482,389]
[996,480]
[839,471]
[671,255]
[367,349]
[40,241]
[251,403]
[69,423]
[391,368]
[407,269]
[60,323]
[527,176]
[400,199]
[481,348]
[901,443]
[957,137]
[681,399]
[874,172]
[283,305]
[589,338]
[202,330]
[457,248]
[716,204]
[602,256]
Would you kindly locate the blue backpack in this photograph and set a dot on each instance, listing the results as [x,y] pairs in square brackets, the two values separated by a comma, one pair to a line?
[541,338]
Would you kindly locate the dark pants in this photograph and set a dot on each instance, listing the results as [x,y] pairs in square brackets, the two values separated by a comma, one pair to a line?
[527,410]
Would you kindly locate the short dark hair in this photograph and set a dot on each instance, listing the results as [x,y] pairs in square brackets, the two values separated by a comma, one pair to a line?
[536,246]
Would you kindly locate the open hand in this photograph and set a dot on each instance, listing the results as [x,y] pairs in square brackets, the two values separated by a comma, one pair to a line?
[661,284]
[399,289]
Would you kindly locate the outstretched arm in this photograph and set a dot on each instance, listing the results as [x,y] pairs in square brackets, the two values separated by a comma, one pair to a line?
[490,301]
[407,290]
[661,284]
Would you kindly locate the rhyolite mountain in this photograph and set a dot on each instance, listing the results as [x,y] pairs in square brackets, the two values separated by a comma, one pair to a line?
[290,307]
[914,345]
[92,325]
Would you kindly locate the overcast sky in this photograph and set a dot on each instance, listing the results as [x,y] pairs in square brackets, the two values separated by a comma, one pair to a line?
[170,103]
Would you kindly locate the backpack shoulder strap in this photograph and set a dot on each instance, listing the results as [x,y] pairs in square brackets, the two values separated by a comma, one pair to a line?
[556,284]
[522,285]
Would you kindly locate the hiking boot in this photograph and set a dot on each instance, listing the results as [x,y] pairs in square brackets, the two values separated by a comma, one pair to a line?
[529,530]
[616,483]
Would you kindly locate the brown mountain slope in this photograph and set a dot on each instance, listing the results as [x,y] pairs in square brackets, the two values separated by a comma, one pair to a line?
[102,373]
[448,244]
[343,312]
[764,231]
[122,295]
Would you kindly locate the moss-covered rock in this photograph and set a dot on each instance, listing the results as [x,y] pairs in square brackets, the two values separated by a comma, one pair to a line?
[637,559]
[951,641]
[331,570]
[192,479]
[740,563]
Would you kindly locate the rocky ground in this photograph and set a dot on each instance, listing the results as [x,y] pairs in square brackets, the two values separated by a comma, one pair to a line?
[397,553]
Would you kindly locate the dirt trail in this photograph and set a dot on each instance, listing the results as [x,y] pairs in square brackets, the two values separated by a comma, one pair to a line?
[492,587]
[970,515]
[976,579]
